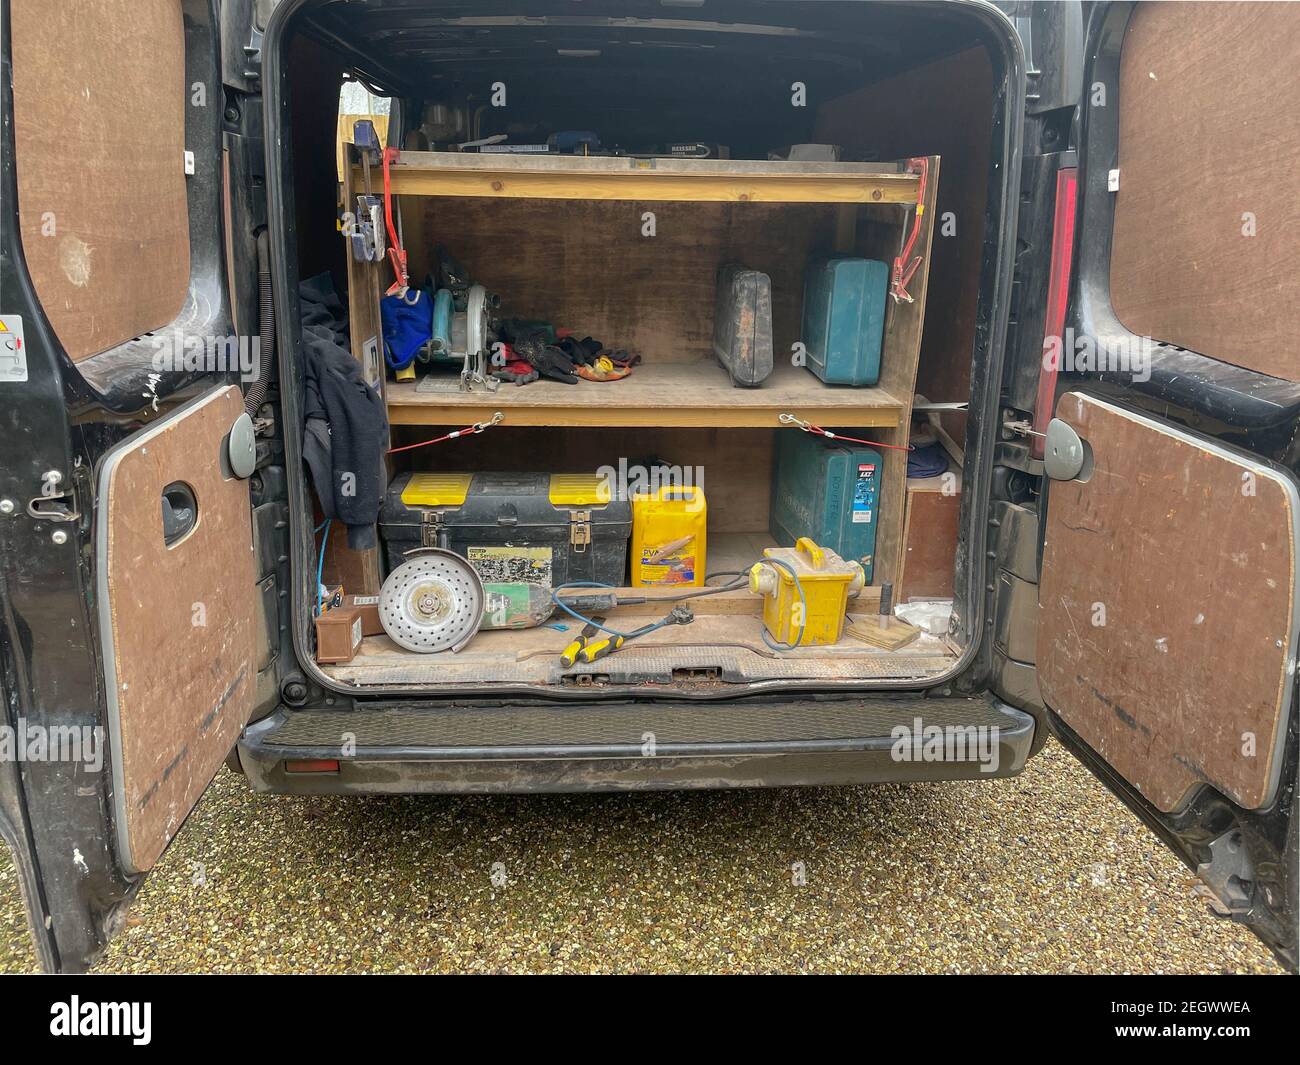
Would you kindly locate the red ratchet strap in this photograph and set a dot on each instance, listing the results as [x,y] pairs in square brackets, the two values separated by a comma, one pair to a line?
[808,427]
[469,430]
[396,253]
[905,266]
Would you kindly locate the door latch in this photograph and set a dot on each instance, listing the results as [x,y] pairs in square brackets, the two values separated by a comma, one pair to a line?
[54,503]
[579,530]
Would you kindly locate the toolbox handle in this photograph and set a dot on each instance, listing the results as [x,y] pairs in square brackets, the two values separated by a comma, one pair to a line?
[816,556]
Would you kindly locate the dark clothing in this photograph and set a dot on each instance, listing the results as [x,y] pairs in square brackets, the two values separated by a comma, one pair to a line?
[345,423]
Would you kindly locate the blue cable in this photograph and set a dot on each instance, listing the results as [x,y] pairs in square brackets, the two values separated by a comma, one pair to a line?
[555,597]
[320,566]
[803,602]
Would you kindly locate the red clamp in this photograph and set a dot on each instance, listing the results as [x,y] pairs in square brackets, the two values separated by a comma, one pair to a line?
[396,253]
[906,265]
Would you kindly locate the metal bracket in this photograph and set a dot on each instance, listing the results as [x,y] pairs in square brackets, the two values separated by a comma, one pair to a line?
[1226,879]
[54,503]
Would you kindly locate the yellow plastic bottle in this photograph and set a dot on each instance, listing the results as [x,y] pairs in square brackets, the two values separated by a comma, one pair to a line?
[826,579]
[669,538]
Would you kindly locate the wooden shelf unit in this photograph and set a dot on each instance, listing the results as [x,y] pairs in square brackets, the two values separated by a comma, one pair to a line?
[480,204]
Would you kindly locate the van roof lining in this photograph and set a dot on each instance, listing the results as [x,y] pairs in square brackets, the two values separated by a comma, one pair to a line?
[422,48]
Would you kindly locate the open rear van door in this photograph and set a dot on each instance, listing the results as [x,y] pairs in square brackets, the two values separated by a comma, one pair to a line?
[133,643]
[1168,606]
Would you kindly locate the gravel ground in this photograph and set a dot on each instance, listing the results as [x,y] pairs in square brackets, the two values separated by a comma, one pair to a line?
[1046,872]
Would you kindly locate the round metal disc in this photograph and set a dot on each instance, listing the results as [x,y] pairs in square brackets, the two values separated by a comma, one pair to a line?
[432,602]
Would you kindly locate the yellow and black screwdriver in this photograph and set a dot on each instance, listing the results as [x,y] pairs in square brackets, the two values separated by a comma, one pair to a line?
[570,654]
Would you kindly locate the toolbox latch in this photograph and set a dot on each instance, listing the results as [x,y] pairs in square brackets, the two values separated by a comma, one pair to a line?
[430,528]
[579,530]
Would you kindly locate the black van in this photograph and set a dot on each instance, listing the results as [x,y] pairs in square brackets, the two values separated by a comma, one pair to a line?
[1094,271]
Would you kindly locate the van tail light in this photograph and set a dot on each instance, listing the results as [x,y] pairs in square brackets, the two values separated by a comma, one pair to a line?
[311,765]
[1058,298]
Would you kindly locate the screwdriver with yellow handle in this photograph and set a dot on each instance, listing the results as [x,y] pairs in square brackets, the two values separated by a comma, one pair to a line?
[570,654]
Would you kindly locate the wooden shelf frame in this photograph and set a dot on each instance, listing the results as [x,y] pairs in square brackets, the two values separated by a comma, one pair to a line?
[574,177]
[670,395]
[687,394]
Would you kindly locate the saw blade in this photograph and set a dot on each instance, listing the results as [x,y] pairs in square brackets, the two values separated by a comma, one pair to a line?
[432,602]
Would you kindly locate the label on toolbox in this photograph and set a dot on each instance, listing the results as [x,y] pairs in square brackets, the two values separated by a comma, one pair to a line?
[504,564]
[864,494]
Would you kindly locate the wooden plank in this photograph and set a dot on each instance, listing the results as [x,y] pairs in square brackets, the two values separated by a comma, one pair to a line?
[683,394]
[1205,253]
[99,132]
[359,571]
[1167,608]
[604,178]
[879,238]
[181,621]
[933,523]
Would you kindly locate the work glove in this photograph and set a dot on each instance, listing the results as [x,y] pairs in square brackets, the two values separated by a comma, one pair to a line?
[547,360]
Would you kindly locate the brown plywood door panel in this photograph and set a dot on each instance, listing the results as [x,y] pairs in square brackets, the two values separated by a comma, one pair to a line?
[99,135]
[1205,252]
[179,620]
[1167,608]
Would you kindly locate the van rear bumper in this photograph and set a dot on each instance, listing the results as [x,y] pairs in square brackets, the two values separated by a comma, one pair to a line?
[636,747]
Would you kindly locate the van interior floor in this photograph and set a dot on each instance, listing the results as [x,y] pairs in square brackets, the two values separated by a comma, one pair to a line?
[723,645]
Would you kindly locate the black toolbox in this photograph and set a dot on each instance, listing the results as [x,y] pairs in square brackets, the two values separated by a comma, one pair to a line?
[539,527]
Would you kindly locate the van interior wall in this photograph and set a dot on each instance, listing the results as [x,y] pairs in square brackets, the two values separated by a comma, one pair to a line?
[596,267]
[315,74]
[943,108]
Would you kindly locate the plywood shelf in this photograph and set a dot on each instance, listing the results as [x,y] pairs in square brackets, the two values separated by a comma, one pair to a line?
[663,394]
[570,177]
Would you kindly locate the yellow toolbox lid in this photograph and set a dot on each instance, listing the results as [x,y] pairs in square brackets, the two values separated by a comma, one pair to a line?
[579,490]
[436,489]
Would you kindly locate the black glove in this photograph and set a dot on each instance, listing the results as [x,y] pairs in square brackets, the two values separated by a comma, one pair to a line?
[553,363]
[546,360]
[580,352]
